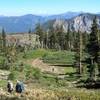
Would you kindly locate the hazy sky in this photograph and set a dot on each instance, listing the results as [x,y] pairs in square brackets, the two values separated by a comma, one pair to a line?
[21,7]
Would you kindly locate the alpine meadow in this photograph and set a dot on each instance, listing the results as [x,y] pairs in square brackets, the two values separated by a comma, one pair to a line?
[49,50]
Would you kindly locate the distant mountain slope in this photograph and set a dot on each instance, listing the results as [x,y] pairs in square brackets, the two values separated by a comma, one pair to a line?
[73,21]
[67,15]
[23,23]
[19,24]
[80,23]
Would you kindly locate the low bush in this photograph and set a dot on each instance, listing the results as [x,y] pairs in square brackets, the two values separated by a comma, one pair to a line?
[13,75]
[32,73]
[35,54]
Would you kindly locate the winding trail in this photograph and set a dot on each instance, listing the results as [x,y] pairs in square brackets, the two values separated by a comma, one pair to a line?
[44,67]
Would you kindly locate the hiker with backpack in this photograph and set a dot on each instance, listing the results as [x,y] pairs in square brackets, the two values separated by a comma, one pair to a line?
[19,87]
[10,86]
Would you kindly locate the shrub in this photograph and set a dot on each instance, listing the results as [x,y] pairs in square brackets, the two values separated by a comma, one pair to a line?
[32,73]
[36,73]
[19,67]
[13,75]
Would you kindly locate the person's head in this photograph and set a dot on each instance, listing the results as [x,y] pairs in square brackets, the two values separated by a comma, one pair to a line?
[18,81]
[9,81]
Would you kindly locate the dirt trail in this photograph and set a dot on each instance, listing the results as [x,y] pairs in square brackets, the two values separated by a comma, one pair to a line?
[44,67]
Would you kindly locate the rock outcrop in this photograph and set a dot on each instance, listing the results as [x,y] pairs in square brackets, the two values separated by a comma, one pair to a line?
[80,23]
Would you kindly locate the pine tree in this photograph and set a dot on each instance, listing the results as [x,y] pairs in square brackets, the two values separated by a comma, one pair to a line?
[78,44]
[99,53]
[77,54]
[39,31]
[70,39]
[85,39]
[92,50]
[3,49]
[60,37]
[45,41]
[4,41]
[66,47]
[52,38]
[7,52]
[81,52]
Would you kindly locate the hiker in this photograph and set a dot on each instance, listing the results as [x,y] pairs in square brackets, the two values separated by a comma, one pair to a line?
[19,87]
[53,69]
[10,86]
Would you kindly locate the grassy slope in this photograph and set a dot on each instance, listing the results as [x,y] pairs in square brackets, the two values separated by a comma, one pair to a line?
[53,89]
[51,56]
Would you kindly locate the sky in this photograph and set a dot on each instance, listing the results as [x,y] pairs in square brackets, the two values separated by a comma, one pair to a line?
[47,7]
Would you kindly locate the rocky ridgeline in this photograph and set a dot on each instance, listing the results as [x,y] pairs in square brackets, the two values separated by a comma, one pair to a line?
[82,23]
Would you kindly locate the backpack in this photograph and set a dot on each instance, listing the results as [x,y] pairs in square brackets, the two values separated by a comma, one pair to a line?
[22,86]
[18,88]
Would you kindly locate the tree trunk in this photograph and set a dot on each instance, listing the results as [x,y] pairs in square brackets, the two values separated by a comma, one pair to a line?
[81,49]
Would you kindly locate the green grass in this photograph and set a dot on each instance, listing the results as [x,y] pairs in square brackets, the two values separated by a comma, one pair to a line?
[70,70]
[51,56]
[33,54]
[59,57]
[3,83]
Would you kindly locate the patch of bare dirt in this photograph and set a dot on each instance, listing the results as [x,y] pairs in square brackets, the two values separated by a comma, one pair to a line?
[44,67]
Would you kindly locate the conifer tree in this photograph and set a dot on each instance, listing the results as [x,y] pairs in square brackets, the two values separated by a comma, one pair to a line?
[52,38]
[60,37]
[4,41]
[3,49]
[98,61]
[68,39]
[93,49]
[77,50]
[78,44]
[39,31]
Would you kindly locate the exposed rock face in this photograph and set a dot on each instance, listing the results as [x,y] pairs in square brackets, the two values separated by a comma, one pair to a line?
[22,40]
[80,23]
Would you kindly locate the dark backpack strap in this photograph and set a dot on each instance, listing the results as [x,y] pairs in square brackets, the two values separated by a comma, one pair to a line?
[8,86]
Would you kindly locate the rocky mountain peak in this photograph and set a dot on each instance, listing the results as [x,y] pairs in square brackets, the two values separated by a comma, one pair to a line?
[81,23]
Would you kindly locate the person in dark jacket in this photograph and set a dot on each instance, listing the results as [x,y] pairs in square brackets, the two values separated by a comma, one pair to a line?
[18,87]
